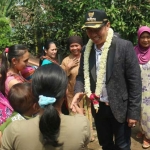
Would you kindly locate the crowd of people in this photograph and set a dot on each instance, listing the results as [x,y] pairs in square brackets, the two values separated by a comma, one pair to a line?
[105,81]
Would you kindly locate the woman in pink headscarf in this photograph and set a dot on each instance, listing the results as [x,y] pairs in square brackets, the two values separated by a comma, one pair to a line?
[143,54]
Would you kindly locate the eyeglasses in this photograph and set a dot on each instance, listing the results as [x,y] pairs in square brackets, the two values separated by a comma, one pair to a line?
[93,29]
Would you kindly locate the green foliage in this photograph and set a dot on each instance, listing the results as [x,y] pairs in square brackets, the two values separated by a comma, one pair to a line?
[68,19]
[128,15]
[5,31]
[125,16]
[32,24]
[37,20]
[5,6]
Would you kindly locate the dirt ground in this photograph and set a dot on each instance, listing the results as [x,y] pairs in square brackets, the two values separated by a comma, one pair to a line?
[136,144]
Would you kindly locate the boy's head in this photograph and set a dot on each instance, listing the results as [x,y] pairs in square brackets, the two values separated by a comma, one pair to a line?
[22,100]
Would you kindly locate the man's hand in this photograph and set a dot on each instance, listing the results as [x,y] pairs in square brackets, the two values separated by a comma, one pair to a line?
[76,99]
[131,122]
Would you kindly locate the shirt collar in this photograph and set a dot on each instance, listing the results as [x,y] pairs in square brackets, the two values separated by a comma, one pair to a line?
[98,50]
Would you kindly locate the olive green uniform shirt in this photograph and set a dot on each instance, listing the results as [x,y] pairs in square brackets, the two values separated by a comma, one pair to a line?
[25,134]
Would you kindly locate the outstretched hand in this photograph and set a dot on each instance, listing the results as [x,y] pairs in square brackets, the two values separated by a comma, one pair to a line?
[79,110]
[76,100]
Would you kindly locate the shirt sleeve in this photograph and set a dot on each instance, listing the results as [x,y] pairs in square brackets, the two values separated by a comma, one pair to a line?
[133,78]
[79,84]
[8,137]
[5,124]
[64,66]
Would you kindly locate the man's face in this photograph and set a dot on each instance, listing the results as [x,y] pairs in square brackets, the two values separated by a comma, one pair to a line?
[98,35]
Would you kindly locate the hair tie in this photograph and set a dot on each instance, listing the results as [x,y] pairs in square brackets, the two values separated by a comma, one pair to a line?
[44,101]
[6,50]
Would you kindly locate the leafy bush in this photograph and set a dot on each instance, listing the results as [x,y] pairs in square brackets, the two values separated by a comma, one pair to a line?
[36,21]
[5,32]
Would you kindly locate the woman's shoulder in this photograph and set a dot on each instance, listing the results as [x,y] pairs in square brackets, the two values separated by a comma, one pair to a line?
[12,79]
[45,62]
[78,119]
[70,56]
[20,131]
[21,123]
[14,76]
[77,128]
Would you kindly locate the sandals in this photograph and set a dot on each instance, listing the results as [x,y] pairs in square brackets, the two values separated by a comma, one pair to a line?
[146,143]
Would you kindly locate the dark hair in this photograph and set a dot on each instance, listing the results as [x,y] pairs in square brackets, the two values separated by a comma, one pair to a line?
[15,51]
[20,97]
[74,39]
[51,81]
[46,47]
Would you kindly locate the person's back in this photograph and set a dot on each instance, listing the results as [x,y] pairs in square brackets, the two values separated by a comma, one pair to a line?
[76,132]
[73,134]
[50,129]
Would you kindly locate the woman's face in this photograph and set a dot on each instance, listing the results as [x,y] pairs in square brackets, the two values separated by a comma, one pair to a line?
[144,40]
[22,62]
[52,51]
[75,49]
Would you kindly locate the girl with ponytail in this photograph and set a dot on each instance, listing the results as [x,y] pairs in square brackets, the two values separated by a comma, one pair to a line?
[14,60]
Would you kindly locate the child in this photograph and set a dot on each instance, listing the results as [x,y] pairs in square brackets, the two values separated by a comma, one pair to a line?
[23,103]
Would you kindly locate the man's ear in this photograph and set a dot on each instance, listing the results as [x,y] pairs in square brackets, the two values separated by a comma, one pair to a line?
[108,24]
[45,51]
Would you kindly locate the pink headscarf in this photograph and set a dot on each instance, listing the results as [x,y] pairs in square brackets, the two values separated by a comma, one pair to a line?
[143,54]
